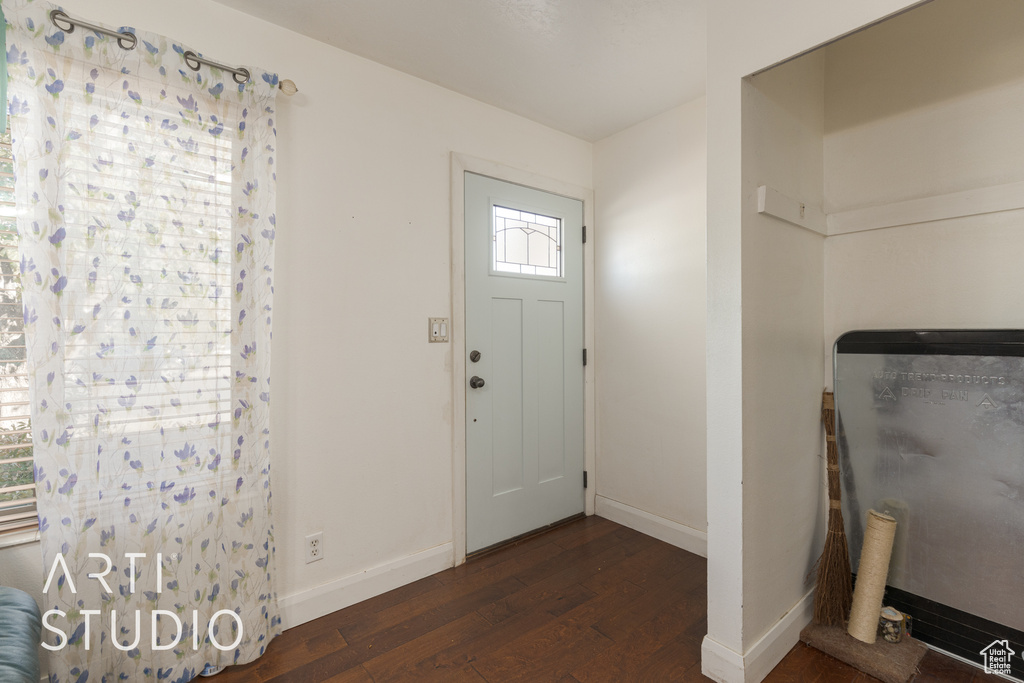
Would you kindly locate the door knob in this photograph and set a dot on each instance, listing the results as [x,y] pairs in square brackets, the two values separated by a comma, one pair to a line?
[476,382]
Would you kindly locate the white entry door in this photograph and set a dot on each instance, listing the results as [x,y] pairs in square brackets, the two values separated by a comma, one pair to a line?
[524,365]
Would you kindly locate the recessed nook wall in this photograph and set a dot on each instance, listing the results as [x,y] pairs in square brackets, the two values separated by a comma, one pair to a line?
[902,143]
[927,108]
[744,37]
[783,282]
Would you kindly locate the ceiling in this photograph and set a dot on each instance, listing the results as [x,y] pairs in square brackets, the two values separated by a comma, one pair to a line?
[589,68]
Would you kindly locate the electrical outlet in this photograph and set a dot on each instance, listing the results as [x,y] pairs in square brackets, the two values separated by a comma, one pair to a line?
[315,547]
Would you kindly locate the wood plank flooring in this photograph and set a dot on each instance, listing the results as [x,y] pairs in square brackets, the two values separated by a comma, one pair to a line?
[588,602]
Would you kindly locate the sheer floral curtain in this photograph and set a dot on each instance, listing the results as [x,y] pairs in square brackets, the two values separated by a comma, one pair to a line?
[145,209]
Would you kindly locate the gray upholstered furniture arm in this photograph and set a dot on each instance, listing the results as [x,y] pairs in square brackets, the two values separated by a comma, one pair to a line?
[20,625]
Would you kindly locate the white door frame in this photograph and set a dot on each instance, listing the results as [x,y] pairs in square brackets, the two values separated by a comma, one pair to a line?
[460,163]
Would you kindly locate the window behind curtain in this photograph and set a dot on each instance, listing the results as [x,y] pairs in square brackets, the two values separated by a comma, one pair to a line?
[145,213]
[17,492]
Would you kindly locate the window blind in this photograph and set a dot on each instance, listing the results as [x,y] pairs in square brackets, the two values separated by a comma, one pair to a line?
[17,490]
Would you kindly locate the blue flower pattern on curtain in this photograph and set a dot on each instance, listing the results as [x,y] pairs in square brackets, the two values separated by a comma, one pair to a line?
[145,208]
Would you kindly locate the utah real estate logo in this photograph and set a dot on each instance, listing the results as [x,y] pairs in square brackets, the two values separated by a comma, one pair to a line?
[997,657]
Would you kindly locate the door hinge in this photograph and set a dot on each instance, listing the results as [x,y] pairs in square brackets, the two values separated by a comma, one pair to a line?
[584,234]
[584,356]
[584,479]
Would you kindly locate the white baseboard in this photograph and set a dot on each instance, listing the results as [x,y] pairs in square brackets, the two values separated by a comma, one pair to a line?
[970,663]
[307,605]
[722,664]
[677,534]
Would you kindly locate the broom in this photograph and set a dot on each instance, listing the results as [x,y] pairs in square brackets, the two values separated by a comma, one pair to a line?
[834,593]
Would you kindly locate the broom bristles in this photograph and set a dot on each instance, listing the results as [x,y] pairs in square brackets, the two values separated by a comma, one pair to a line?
[834,594]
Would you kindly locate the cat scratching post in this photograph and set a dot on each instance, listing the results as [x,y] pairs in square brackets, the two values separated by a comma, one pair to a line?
[888,662]
[871,575]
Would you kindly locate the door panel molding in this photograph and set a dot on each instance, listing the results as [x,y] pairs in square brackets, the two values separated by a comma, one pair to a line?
[460,163]
[512,320]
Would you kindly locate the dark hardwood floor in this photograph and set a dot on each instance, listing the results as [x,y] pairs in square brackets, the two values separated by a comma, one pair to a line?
[589,601]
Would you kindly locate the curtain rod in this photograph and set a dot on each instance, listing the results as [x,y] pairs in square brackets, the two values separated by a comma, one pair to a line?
[128,41]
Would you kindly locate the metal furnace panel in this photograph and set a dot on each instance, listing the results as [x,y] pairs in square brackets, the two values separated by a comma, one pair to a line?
[931,431]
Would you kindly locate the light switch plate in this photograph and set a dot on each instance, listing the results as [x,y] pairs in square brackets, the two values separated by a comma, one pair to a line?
[437,330]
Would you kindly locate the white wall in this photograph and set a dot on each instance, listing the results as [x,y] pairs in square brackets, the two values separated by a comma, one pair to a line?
[745,36]
[927,104]
[783,284]
[362,430]
[649,181]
